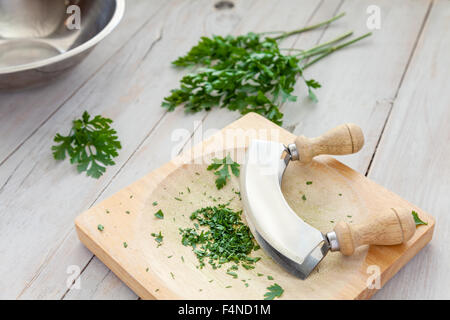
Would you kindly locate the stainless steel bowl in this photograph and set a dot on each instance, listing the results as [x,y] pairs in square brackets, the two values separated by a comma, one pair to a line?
[40,39]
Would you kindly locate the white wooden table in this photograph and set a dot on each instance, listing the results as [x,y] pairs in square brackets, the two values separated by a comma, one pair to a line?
[395,85]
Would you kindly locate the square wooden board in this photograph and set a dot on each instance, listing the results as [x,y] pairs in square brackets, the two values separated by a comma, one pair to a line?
[171,270]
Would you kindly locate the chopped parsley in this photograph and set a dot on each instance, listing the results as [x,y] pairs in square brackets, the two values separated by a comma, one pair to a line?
[158,238]
[100,227]
[222,237]
[417,220]
[308,182]
[125,245]
[159,214]
[247,266]
[155,203]
[233,267]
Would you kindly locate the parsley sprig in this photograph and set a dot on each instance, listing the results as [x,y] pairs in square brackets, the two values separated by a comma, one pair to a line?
[91,145]
[224,173]
[247,73]
[275,291]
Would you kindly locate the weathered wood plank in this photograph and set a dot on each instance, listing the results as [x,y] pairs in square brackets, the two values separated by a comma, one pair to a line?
[100,284]
[23,112]
[413,156]
[361,81]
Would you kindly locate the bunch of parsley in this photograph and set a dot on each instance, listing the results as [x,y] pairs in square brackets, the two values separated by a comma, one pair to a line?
[247,73]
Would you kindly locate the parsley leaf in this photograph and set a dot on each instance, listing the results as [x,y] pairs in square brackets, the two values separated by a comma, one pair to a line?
[417,220]
[91,145]
[274,292]
[223,173]
[159,214]
[158,238]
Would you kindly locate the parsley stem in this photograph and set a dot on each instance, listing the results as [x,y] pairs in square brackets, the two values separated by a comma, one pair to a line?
[353,41]
[332,49]
[308,28]
[324,46]
[270,32]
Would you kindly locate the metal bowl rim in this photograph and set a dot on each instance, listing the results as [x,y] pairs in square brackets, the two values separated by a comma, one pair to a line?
[115,19]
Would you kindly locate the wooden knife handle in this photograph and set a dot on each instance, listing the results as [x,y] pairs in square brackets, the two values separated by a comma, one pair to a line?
[394,226]
[344,139]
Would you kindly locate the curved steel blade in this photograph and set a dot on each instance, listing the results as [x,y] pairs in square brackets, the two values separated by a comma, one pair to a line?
[293,243]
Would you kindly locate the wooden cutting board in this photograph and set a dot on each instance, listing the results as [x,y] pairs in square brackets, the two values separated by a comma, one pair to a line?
[184,185]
